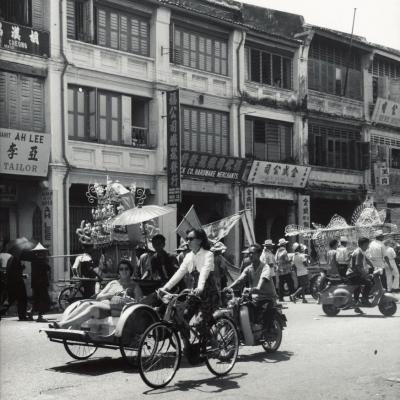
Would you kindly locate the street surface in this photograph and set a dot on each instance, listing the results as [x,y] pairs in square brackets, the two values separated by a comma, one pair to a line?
[344,357]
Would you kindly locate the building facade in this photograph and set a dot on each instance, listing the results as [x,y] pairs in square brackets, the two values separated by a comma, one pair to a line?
[276,115]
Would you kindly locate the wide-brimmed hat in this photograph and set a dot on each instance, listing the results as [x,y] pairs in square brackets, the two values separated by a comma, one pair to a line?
[282,242]
[378,232]
[219,246]
[268,242]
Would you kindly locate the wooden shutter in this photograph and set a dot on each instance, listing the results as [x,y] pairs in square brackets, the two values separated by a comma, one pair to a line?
[224,135]
[38,105]
[248,138]
[71,19]
[13,103]
[102,27]
[310,73]
[123,33]
[255,65]
[4,122]
[209,52]
[38,14]
[193,130]
[134,36]
[25,97]
[203,131]
[354,84]
[114,30]
[144,38]
[186,129]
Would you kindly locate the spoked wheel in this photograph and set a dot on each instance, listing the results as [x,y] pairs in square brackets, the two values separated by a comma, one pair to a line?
[159,355]
[330,310]
[222,347]
[388,308]
[79,351]
[129,351]
[273,338]
[68,296]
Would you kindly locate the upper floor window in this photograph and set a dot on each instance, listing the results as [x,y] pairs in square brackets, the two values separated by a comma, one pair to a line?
[107,117]
[268,68]
[23,12]
[200,51]
[382,66]
[21,102]
[334,146]
[268,140]
[113,28]
[205,131]
[327,64]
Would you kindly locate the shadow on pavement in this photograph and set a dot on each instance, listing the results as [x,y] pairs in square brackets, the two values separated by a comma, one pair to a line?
[208,385]
[262,356]
[355,315]
[94,366]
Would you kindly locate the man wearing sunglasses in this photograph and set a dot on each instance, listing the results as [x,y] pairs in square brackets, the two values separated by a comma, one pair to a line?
[257,277]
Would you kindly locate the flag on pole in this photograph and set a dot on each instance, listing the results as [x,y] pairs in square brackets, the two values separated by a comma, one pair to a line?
[189,221]
[219,229]
[248,227]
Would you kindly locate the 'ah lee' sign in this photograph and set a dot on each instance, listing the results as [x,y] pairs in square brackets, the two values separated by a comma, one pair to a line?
[24,153]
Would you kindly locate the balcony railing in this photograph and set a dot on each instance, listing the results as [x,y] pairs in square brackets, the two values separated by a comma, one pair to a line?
[140,137]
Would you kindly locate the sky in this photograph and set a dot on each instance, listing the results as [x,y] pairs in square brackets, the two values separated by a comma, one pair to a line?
[376,20]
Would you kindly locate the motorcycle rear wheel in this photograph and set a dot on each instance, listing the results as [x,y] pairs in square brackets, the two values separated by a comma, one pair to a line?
[388,308]
[273,339]
[330,310]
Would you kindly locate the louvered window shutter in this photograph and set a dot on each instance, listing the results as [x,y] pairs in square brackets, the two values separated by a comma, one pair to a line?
[102,28]
[38,14]
[38,105]
[249,138]
[203,131]
[135,41]
[209,52]
[25,98]
[144,38]
[186,129]
[224,135]
[123,34]
[4,120]
[71,32]
[311,147]
[255,65]
[114,30]
[194,130]
[13,100]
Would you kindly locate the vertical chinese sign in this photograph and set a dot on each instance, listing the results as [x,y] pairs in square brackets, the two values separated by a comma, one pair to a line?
[47,217]
[304,212]
[173,147]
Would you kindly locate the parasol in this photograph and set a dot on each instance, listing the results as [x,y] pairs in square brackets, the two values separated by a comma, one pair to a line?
[138,215]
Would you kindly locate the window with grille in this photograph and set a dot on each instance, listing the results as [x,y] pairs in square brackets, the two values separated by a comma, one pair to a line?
[122,31]
[78,20]
[199,51]
[268,140]
[21,102]
[382,66]
[205,131]
[334,146]
[327,64]
[269,69]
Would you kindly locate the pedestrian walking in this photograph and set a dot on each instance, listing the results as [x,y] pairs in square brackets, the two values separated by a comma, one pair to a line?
[268,257]
[300,264]
[40,281]
[343,256]
[83,267]
[392,275]
[284,268]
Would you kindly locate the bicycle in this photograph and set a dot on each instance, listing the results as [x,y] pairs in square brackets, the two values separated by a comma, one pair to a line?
[160,350]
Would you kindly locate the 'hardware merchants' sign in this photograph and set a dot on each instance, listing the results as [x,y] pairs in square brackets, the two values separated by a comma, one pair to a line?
[24,153]
[275,174]
[212,167]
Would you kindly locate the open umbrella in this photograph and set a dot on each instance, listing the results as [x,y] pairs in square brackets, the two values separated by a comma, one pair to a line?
[21,248]
[138,215]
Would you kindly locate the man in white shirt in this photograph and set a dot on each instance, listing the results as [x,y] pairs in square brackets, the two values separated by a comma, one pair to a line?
[392,275]
[377,254]
[343,256]
[268,257]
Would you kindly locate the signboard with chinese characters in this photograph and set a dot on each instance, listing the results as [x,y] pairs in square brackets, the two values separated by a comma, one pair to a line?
[212,167]
[24,153]
[304,210]
[47,217]
[275,174]
[383,188]
[24,39]
[173,147]
[386,112]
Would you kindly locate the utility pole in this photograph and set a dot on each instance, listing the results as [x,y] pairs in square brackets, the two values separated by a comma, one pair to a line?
[349,54]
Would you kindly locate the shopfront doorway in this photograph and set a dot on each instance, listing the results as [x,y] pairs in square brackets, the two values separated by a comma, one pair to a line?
[272,216]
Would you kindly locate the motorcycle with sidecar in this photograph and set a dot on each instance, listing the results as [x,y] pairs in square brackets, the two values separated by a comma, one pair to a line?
[253,331]
[338,295]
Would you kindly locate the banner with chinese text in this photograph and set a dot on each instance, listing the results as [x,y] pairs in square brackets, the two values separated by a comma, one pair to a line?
[212,167]
[386,112]
[219,229]
[276,174]
[173,147]
[24,153]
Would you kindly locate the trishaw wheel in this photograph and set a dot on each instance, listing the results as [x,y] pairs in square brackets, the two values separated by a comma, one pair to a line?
[388,309]
[130,353]
[222,346]
[159,355]
[79,351]
[68,296]
[330,310]
[273,339]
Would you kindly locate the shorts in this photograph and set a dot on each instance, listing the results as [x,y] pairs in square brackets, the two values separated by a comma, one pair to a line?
[302,280]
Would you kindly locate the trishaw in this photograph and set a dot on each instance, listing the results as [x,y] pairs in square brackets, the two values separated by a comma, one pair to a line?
[118,331]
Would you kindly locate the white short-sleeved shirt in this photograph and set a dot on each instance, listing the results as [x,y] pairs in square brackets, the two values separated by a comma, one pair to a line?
[298,260]
[391,255]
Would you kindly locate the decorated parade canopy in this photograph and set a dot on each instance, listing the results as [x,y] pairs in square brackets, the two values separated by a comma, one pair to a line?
[119,215]
[365,221]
